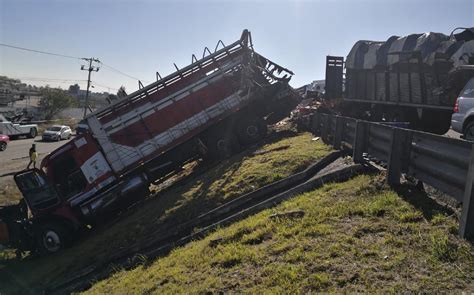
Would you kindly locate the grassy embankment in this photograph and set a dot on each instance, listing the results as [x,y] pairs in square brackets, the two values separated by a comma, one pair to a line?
[247,171]
[357,236]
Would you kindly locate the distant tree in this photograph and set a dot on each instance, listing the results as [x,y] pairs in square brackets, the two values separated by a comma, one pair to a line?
[121,92]
[54,100]
[74,89]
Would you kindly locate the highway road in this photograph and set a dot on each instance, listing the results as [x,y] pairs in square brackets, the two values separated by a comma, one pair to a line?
[15,157]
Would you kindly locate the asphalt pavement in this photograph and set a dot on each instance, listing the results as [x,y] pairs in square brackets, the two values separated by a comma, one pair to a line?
[15,157]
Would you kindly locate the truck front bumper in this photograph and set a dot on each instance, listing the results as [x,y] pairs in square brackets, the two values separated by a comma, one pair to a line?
[112,198]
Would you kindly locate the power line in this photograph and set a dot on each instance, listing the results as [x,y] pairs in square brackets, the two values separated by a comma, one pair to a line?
[55,82]
[104,86]
[72,57]
[59,80]
[120,72]
[47,79]
[62,82]
[39,51]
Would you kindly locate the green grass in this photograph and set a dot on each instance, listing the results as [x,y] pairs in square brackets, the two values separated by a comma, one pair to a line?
[9,193]
[247,171]
[357,236]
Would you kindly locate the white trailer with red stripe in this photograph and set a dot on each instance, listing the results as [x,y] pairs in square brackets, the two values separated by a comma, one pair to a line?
[161,116]
[210,108]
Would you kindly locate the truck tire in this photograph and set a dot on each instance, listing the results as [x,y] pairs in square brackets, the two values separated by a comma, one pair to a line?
[33,133]
[251,130]
[468,131]
[52,237]
[222,145]
[3,146]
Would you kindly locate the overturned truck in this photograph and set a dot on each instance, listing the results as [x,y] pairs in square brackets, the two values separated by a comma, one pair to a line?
[414,78]
[210,108]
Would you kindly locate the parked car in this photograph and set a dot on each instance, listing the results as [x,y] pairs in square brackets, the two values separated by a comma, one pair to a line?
[4,139]
[462,119]
[57,132]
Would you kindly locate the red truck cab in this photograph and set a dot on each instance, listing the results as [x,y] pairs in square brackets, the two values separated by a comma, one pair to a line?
[74,183]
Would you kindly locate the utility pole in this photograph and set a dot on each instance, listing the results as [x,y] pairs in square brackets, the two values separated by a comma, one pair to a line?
[90,69]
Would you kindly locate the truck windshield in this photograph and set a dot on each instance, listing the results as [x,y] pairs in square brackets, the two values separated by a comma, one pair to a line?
[67,175]
[38,193]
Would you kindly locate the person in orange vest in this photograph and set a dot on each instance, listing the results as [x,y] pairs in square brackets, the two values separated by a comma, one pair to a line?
[33,156]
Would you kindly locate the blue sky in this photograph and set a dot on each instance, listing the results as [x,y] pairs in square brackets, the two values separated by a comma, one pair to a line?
[142,37]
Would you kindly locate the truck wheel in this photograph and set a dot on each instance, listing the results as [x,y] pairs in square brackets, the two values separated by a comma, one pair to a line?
[33,133]
[3,146]
[468,131]
[52,237]
[250,130]
[222,145]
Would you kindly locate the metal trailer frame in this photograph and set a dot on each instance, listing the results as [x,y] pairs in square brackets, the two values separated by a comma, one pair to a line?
[216,66]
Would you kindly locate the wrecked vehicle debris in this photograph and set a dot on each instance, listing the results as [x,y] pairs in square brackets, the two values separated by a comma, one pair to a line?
[208,109]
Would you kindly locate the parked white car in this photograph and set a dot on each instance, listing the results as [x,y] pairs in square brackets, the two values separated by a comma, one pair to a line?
[57,132]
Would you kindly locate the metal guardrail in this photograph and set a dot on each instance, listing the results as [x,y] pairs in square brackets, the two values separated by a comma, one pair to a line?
[442,162]
[379,142]
[446,164]
[349,133]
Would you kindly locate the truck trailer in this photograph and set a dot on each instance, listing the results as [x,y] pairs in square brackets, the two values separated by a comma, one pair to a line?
[414,78]
[210,109]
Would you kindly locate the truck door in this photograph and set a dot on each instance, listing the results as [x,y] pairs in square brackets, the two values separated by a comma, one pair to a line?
[38,193]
